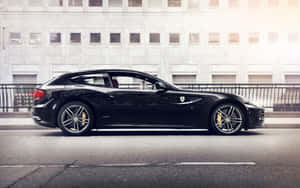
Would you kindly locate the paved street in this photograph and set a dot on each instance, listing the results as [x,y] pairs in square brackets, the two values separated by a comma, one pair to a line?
[169,158]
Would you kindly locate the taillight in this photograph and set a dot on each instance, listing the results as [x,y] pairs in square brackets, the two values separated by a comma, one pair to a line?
[38,94]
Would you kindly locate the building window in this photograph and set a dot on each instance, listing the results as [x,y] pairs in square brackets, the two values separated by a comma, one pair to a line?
[35,3]
[234,38]
[233,3]
[115,38]
[55,38]
[95,37]
[35,38]
[194,38]
[174,38]
[55,3]
[213,3]
[272,37]
[293,3]
[75,37]
[95,3]
[266,79]
[293,37]
[223,79]
[154,38]
[292,79]
[75,3]
[15,38]
[155,4]
[183,79]
[135,3]
[174,3]
[115,3]
[273,3]
[214,38]
[24,78]
[194,4]
[253,3]
[135,37]
[253,38]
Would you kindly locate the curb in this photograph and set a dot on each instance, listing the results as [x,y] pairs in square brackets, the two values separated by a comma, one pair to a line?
[23,120]
[28,123]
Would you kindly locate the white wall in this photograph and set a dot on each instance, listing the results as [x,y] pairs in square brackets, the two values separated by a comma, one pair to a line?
[164,59]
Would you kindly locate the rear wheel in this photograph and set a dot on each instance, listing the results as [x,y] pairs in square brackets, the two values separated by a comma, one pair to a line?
[75,119]
[227,119]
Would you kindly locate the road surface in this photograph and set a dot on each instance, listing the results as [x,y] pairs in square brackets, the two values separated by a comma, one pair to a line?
[150,158]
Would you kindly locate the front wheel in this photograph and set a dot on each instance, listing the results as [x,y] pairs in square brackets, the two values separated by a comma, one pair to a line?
[227,119]
[75,119]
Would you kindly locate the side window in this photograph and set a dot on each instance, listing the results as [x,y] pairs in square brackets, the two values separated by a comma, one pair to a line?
[134,83]
[101,80]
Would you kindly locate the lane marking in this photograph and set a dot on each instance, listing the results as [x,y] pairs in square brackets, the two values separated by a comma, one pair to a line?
[133,164]
[123,164]
[215,163]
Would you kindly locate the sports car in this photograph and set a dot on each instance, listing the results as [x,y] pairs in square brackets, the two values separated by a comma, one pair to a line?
[81,101]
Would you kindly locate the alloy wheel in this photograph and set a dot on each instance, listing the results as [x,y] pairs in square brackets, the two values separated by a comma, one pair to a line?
[228,119]
[75,118]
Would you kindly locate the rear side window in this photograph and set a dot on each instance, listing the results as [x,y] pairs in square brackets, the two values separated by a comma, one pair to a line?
[101,80]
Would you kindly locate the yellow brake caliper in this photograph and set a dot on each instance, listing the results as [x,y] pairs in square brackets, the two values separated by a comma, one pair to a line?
[219,120]
[83,118]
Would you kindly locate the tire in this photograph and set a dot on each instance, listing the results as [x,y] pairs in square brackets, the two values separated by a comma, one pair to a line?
[227,119]
[75,119]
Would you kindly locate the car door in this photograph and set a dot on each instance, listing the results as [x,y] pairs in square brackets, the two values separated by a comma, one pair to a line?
[133,103]
[178,107]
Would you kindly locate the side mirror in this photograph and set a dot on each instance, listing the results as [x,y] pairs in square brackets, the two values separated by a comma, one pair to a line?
[161,86]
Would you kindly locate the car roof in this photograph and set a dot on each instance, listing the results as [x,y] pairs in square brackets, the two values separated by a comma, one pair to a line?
[104,71]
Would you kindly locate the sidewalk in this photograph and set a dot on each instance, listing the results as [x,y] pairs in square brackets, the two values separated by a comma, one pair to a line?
[24,121]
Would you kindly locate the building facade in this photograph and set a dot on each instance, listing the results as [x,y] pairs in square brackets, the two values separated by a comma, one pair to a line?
[182,41]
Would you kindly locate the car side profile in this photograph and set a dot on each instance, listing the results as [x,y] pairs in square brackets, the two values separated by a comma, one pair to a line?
[97,99]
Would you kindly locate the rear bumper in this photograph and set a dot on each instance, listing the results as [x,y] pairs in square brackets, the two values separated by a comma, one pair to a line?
[255,117]
[44,115]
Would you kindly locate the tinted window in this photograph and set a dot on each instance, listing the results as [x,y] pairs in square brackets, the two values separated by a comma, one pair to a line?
[132,82]
[101,80]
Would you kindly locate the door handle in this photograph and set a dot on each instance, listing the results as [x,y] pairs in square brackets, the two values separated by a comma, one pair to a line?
[111,97]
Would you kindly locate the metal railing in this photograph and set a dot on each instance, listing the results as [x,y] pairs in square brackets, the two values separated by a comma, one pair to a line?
[273,97]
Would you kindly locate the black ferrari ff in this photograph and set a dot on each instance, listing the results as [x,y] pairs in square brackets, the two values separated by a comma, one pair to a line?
[81,101]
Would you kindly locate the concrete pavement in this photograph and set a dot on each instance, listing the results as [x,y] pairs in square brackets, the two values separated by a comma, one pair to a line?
[150,158]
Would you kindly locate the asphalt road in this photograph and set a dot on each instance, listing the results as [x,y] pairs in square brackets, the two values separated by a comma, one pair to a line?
[46,158]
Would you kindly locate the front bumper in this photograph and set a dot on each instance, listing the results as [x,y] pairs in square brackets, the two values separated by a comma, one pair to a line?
[255,117]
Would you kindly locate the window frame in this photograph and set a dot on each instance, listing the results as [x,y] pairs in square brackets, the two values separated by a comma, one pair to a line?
[90,38]
[131,3]
[74,34]
[109,4]
[151,35]
[214,3]
[18,40]
[39,39]
[59,2]
[174,4]
[250,38]
[231,37]
[71,3]
[95,6]
[57,33]
[115,33]
[214,42]
[170,38]
[197,42]
[190,4]
[132,36]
